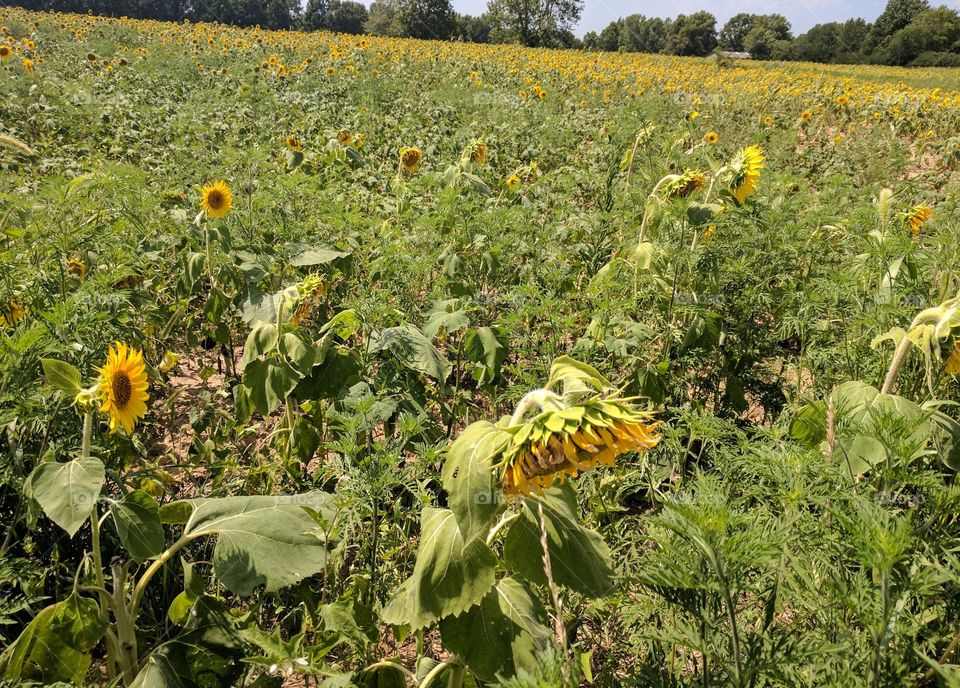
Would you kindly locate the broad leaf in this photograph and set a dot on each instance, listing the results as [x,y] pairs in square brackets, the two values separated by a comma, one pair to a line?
[262,540]
[68,491]
[137,519]
[61,375]
[579,557]
[450,576]
[502,634]
[474,493]
[413,350]
[269,383]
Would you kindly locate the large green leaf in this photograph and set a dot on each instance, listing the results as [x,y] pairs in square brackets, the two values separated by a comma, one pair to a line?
[474,493]
[61,375]
[137,519]
[450,576]
[483,348]
[56,645]
[262,540]
[67,491]
[413,350]
[503,633]
[269,383]
[579,557]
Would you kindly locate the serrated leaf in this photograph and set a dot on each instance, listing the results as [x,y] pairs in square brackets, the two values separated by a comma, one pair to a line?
[579,557]
[503,633]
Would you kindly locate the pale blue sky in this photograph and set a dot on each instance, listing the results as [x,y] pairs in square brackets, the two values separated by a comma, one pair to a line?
[802,13]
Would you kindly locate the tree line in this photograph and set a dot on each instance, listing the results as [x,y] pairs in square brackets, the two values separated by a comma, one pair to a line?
[907,32]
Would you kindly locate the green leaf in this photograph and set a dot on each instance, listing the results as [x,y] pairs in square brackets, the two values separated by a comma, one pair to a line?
[299,350]
[502,634]
[62,375]
[67,492]
[483,348]
[269,383]
[450,576]
[413,350]
[137,520]
[579,557]
[474,493]
[56,645]
[317,255]
[262,540]
[262,339]
[575,376]
[446,315]
[861,453]
[341,617]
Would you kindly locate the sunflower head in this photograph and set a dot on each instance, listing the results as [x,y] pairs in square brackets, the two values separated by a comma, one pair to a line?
[917,217]
[77,268]
[476,152]
[410,159]
[294,143]
[746,167]
[27,65]
[513,181]
[953,361]
[682,185]
[11,315]
[216,199]
[562,442]
[345,137]
[123,387]
[6,52]
[710,137]
[805,116]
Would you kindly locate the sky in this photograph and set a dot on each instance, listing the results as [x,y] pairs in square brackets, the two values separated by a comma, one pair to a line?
[802,13]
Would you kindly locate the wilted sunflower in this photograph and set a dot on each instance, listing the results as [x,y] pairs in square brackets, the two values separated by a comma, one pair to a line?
[953,361]
[5,52]
[11,315]
[477,153]
[123,387]
[410,159]
[310,293]
[917,217]
[77,268]
[345,137]
[555,444]
[746,166]
[294,143]
[682,185]
[216,199]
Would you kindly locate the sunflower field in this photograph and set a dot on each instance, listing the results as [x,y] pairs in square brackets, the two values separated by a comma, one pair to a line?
[334,360]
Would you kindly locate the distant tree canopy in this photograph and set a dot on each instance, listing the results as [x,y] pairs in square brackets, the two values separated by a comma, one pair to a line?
[907,32]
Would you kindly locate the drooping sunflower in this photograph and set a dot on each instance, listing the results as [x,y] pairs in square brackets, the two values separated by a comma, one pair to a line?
[953,361]
[216,199]
[6,52]
[410,159]
[477,153]
[561,443]
[11,315]
[123,387]
[294,143]
[682,185]
[345,137]
[917,217]
[746,165]
[77,268]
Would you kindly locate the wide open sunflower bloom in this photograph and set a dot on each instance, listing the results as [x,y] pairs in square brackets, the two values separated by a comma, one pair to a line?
[555,444]
[216,199]
[747,165]
[123,387]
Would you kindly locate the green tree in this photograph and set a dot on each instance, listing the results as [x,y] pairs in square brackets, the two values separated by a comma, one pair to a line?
[734,32]
[473,29]
[693,34]
[639,34]
[346,16]
[427,19]
[895,16]
[535,22]
[936,30]
[315,14]
[609,38]
[384,18]
[591,41]
[819,44]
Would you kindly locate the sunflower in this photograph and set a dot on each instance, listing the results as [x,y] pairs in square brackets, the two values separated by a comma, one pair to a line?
[842,100]
[917,217]
[294,143]
[410,159]
[710,137]
[11,315]
[953,362]
[216,199]
[345,137]
[682,185]
[806,115]
[746,166]
[555,444]
[513,181]
[768,121]
[123,387]
[5,52]
[476,152]
[77,267]
[27,65]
